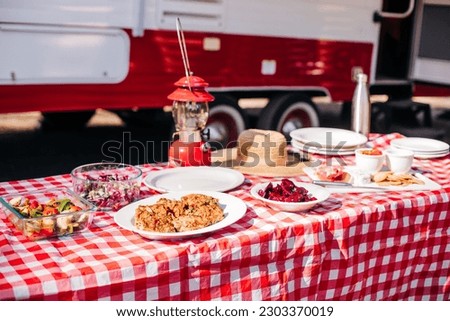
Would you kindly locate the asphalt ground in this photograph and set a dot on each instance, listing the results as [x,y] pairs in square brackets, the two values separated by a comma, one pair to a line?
[30,150]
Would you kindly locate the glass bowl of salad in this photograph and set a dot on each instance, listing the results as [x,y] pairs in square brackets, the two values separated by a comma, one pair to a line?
[47,213]
[109,186]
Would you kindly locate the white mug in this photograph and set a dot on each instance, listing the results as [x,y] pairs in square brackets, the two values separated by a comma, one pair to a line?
[399,160]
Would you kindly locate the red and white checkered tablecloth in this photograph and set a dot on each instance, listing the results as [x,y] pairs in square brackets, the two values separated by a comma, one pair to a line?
[369,246]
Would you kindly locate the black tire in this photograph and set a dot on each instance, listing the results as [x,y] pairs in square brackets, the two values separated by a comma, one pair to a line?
[66,120]
[226,121]
[287,112]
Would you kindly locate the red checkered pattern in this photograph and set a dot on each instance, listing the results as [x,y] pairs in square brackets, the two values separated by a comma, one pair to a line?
[370,246]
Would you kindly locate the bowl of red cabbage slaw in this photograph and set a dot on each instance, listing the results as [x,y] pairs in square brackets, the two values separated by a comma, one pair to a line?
[109,186]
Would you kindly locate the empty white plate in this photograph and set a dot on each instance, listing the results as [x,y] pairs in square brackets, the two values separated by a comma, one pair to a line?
[321,151]
[430,156]
[213,179]
[421,145]
[323,137]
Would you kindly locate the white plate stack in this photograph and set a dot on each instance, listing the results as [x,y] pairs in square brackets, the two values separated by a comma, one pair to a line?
[423,148]
[327,141]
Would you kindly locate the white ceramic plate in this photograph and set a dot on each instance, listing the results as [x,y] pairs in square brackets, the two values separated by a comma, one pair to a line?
[322,151]
[430,156]
[320,193]
[213,179]
[233,208]
[323,137]
[421,145]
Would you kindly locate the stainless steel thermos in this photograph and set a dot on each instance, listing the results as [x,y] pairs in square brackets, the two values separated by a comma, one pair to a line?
[361,106]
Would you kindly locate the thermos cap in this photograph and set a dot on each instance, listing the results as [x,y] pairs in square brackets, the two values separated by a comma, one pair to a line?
[361,77]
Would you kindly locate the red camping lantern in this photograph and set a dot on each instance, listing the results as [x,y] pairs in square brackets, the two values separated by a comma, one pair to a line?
[190,113]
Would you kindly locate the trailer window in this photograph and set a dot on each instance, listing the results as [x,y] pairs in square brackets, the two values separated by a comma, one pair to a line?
[435,33]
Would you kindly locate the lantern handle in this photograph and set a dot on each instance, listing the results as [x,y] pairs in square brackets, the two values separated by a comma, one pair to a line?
[184,55]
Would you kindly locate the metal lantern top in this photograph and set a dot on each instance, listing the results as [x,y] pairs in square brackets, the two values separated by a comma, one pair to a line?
[192,89]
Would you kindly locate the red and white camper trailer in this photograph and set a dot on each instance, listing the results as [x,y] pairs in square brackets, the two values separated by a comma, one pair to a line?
[79,55]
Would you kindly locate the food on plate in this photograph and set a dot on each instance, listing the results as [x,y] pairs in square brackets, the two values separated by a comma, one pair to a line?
[286,191]
[44,219]
[332,173]
[388,178]
[192,212]
[373,151]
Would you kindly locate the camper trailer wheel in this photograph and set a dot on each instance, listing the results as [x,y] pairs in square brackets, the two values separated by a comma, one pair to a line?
[225,122]
[288,112]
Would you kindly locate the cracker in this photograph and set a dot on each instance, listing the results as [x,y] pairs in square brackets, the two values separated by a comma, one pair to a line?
[380,176]
[390,179]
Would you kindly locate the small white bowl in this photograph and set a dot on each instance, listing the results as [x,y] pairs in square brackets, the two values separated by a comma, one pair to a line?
[319,192]
[399,160]
[368,163]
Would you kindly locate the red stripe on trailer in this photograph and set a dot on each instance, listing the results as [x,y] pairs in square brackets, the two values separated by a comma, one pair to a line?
[155,63]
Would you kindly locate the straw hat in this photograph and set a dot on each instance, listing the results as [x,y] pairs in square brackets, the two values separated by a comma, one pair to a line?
[260,152]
